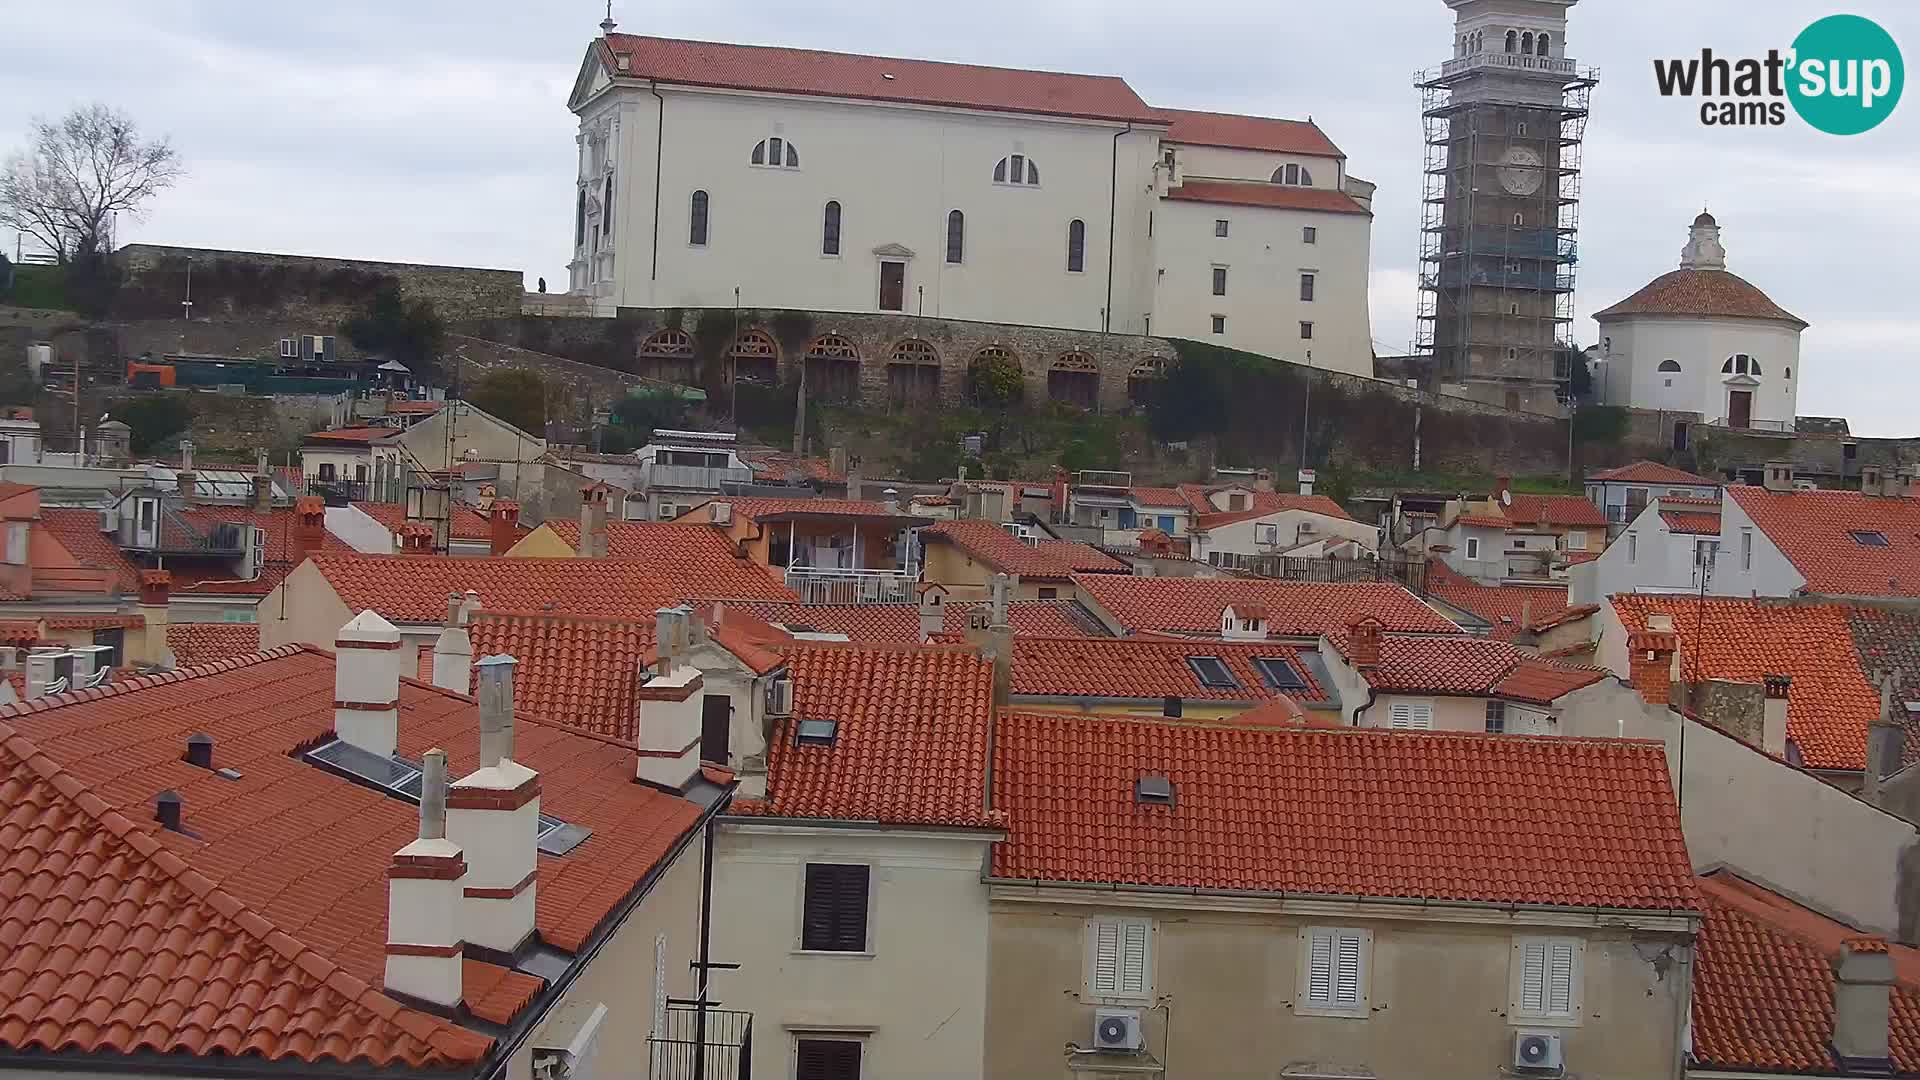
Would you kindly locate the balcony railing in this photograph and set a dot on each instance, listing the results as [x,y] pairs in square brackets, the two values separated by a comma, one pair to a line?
[833,585]
[718,1046]
[692,477]
[1760,427]
[1505,61]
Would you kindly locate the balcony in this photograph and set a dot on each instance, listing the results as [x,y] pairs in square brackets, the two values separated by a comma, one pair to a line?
[834,585]
[692,477]
[715,1046]
[1515,62]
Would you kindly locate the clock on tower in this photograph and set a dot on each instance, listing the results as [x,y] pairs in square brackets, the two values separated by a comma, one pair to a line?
[1504,119]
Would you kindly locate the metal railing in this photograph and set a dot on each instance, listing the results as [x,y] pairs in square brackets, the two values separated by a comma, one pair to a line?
[1765,427]
[676,1051]
[835,585]
[692,477]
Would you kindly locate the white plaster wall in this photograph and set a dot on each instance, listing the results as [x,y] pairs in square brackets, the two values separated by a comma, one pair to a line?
[1490,567]
[1655,560]
[359,531]
[1230,163]
[1242,537]
[1265,256]
[1700,346]
[343,461]
[1449,713]
[919,995]
[1770,574]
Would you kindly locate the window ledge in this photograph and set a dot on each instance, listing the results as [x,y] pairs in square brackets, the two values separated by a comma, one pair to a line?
[1522,1020]
[1360,1013]
[1098,1063]
[866,955]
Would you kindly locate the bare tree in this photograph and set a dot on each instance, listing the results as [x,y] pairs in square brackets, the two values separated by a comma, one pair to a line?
[64,189]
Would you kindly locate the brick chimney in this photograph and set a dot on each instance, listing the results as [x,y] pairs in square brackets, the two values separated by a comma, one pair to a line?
[309,527]
[593,521]
[263,494]
[1650,663]
[1773,714]
[493,813]
[425,884]
[155,585]
[366,684]
[1502,487]
[670,707]
[1863,1007]
[503,526]
[416,538]
[453,653]
[185,479]
[1363,644]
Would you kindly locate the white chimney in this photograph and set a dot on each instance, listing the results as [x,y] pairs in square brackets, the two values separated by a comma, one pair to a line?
[493,813]
[670,708]
[1307,477]
[933,611]
[453,653]
[1862,1006]
[366,684]
[1773,714]
[424,893]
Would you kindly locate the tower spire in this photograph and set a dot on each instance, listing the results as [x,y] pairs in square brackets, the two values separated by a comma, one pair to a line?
[607,24]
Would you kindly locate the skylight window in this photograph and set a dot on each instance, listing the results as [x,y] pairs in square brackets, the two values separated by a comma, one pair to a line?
[401,779]
[1278,674]
[815,732]
[1154,790]
[1212,673]
[1869,538]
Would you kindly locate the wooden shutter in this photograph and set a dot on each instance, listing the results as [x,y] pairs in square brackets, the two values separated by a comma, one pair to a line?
[834,918]
[1334,968]
[1533,977]
[826,1059]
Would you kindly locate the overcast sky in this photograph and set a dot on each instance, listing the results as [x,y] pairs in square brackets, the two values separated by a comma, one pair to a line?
[432,131]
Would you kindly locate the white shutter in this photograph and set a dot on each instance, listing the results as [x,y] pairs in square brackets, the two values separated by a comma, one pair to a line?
[1560,978]
[1133,958]
[1533,977]
[1412,715]
[1346,969]
[1320,967]
[1106,957]
[1402,715]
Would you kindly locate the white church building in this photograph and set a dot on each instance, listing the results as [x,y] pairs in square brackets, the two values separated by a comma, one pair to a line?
[1703,339]
[714,175]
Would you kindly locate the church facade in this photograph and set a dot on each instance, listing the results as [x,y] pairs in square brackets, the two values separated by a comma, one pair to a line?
[1703,339]
[714,176]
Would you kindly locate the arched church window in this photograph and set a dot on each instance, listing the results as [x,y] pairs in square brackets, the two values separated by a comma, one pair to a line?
[1526,43]
[1670,365]
[776,153]
[1540,46]
[697,220]
[1076,246]
[1016,169]
[956,236]
[1513,37]
[1741,364]
[830,230]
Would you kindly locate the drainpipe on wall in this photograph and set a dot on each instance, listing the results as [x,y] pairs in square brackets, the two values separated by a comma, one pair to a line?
[659,141]
[1113,214]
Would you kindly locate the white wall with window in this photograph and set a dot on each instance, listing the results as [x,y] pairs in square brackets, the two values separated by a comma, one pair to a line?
[1651,556]
[1277,534]
[874,937]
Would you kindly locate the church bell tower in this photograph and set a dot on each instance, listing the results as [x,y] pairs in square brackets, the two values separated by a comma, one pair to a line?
[1504,119]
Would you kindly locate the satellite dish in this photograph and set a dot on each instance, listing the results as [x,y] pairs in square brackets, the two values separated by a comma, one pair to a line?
[1506,498]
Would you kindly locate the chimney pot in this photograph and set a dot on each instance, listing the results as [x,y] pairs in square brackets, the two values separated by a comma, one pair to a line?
[493,815]
[200,751]
[496,709]
[166,810]
[433,795]
[425,900]
[1650,664]
[366,684]
[263,494]
[1863,1006]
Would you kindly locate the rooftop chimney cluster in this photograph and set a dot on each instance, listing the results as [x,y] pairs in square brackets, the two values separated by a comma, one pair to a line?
[670,705]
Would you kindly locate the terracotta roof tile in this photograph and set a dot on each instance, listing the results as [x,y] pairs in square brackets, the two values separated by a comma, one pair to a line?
[1691,522]
[465,522]
[899,624]
[1504,607]
[846,75]
[173,964]
[79,532]
[220,577]
[1237,132]
[194,644]
[1262,193]
[1888,645]
[496,994]
[1149,668]
[755,508]
[1555,510]
[1813,530]
[1448,816]
[1300,608]
[1830,703]
[128,621]
[413,588]
[1470,666]
[1763,985]
[1160,496]
[780,467]
[992,544]
[911,739]
[1650,472]
[691,553]
[1263,504]
[1484,520]
[1700,292]
[575,670]
[357,435]
[19,632]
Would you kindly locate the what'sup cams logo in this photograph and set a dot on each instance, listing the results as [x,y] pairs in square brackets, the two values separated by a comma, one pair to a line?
[1843,75]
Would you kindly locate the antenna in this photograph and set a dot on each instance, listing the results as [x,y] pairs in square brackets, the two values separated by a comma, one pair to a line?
[607,24]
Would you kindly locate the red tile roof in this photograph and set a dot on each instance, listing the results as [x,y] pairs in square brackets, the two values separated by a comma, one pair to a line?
[220,577]
[1573,510]
[1484,521]
[1811,528]
[1149,668]
[779,466]
[1300,608]
[757,508]
[1504,607]
[899,624]
[19,632]
[1160,496]
[875,78]
[694,553]
[576,670]
[194,644]
[465,523]
[1701,292]
[1763,985]
[1469,666]
[1261,193]
[307,851]
[911,743]
[1247,133]
[414,588]
[120,943]
[1831,701]
[96,622]
[992,544]
[1447,816]
[79,532]
[1650,472]
[1691,522]
[1262,504]
[355,435]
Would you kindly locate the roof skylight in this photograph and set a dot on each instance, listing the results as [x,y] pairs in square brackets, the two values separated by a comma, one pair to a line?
[400,779]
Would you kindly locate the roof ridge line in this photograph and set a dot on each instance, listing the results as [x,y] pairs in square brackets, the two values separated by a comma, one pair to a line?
[242,917]
[144,681]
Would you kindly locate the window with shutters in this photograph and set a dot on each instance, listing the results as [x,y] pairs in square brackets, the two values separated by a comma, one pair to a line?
[1120,960]
[834,911]
[1546,980]
[1334,963]
[826,1058]
[1411,716]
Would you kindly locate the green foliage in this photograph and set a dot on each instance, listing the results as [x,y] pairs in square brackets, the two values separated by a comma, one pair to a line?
[637,415]
[995,382]
[516,395]
[712,335]
[793,330]
[38,287]
[155,419]
[398,329]
[1599,424]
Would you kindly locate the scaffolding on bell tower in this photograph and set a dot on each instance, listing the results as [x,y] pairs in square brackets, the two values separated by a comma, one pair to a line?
[1499,224]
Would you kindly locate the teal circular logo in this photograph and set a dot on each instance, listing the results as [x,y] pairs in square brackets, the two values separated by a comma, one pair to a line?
[1846,75]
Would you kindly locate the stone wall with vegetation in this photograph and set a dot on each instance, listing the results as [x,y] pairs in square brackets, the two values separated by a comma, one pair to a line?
[302,289]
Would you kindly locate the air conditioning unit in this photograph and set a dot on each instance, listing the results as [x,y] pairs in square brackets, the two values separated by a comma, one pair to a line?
[1306,528]
[720,513]
[780,697]
[1537,1051]
[1117,1029]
